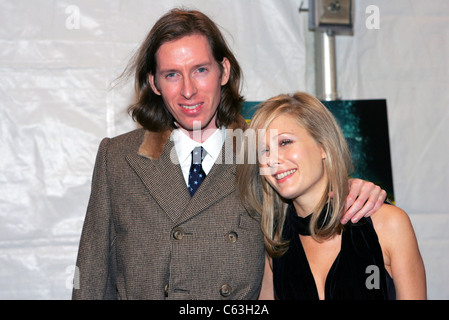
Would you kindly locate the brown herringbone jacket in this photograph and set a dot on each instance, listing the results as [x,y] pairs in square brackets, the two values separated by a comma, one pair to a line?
[144,237]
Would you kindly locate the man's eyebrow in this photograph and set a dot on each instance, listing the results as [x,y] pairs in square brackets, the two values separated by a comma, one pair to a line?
[168,71]
[203,64]
[199,65]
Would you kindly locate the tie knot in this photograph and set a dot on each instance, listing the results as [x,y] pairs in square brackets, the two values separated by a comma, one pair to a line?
[198,155]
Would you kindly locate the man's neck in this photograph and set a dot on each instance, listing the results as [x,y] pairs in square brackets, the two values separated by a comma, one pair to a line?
[199,135]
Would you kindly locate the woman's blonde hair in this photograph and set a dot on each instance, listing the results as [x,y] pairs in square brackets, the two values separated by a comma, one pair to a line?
[260,198]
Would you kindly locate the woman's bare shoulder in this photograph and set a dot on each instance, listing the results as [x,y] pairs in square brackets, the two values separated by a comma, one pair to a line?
[392,225]
[390,217]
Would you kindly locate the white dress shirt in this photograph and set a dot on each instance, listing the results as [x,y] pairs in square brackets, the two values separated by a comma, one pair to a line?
[184,147]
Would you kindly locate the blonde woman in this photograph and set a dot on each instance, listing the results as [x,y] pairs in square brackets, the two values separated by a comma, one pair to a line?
[303,168]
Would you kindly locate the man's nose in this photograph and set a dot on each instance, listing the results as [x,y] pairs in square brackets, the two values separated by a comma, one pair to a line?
[188,88]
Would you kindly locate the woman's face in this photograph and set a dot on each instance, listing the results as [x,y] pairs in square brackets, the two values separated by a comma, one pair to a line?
[293,162]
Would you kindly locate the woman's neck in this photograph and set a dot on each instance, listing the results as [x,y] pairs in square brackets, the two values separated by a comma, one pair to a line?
[306,203]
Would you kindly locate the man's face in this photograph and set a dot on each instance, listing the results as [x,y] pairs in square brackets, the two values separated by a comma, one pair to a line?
[189,80]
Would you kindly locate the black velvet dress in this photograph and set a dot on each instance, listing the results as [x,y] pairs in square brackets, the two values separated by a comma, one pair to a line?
[358,272]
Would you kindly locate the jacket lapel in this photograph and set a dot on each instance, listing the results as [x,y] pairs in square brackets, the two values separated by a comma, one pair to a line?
[218,184]
[163,179]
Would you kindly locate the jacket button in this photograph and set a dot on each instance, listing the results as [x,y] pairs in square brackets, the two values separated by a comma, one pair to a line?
[166,290]
[231,237]
[225,290]
[178,233]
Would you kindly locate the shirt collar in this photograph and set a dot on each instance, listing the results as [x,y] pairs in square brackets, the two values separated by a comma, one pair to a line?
[184,145]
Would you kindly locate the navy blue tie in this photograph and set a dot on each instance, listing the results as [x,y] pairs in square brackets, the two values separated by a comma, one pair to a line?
[196,174]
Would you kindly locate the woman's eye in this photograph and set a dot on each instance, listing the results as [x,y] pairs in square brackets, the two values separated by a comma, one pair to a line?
[285,142]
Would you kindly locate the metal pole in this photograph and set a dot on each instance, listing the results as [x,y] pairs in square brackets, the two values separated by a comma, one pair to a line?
[326,66]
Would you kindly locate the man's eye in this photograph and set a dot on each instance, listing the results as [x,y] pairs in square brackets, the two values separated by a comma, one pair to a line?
[170,75]
[202,70]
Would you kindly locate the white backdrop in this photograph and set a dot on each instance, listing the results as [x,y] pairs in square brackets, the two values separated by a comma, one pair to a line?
[58,59]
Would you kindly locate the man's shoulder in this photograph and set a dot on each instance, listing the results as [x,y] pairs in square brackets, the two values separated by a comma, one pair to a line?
[126,141]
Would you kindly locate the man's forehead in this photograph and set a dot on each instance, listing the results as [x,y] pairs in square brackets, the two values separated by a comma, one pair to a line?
[189,51]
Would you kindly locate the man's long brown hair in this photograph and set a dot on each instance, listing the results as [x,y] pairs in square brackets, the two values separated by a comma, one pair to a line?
[149,109]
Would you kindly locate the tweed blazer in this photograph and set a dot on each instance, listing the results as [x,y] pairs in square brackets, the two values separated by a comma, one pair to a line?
[144,237]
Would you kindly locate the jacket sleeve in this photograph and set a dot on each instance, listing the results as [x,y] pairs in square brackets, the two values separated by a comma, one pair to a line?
[94,277]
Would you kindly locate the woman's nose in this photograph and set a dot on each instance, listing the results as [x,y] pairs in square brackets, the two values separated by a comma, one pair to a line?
[269,166]
[273,162]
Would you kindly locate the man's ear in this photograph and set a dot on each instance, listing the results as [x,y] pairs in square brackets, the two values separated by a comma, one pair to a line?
[226,71]
[153,84]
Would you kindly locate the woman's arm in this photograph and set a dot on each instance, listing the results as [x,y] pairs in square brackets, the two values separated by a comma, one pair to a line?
[267,291]
[401,252]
